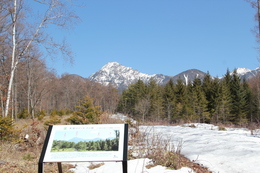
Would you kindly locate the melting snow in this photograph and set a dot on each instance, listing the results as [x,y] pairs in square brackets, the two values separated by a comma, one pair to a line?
[232,151]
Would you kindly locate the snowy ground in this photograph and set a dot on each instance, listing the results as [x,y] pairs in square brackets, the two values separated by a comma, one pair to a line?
[134,166]
[231,151]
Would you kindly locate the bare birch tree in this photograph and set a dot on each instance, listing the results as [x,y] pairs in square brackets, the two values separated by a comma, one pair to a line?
[55,13]
[256,5]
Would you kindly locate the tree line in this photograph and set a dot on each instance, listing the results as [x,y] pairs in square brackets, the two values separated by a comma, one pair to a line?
[100,145]
[48,92]
[29,88]
[209,100]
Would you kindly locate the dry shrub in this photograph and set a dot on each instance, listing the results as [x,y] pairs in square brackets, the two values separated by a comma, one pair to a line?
[156,147]
[160,149]
[23,155]
[222,128]
[54,119]
[155,123]
[95,165]
[7,130]
[254,128]
[105,118]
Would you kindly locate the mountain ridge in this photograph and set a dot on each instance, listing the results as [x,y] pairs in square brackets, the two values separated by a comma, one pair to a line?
[113,73]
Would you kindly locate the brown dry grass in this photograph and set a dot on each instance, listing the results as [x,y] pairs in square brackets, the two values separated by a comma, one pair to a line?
[23,157]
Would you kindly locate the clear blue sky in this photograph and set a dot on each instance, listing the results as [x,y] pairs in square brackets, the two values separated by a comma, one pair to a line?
[162,36]
[84,134]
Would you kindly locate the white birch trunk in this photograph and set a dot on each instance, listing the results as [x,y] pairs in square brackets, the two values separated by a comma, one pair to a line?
[14,63]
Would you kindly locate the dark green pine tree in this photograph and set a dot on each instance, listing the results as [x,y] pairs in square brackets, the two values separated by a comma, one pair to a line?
[126,102]
[169,101]
[199,102]
[211,89]
[156,100]
[182,110]
[131,96]
[86,113]
[250,107]
[238,95]
[223,103]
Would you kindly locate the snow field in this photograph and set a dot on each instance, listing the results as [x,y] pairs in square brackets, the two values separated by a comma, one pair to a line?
[234,150]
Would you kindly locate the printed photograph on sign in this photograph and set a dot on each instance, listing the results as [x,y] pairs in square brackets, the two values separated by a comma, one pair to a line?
[88,140]
[85,143]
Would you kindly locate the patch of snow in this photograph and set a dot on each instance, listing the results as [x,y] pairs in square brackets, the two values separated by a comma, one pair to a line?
[234,150]
[134,166]
[241,71]
[186,79]
[122,117]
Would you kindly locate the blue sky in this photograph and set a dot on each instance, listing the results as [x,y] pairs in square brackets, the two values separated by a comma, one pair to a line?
[84,134]
[162,36]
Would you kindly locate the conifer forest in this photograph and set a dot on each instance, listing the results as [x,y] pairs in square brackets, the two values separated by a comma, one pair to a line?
[211,100]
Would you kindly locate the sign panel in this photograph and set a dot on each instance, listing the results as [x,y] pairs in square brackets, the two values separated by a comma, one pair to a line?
[101,142]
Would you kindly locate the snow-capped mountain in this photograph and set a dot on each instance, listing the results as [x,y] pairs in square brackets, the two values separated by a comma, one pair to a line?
[189,75]
[121,76]
[247,73]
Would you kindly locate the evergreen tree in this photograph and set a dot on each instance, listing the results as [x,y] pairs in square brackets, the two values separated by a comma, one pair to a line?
[131,96]
[181,94]
[87,113]
[250,107]
[156,100]
[199,102]
[169,100]
[224,101]
[238,95]
[211,90]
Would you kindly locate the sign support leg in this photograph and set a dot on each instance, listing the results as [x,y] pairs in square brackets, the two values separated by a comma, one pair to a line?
[59,167]
[41,167]
[124,164]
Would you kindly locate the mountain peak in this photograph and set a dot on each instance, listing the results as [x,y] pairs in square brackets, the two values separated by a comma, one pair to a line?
[242,71]
[111,65]
[115,67]
[121,76]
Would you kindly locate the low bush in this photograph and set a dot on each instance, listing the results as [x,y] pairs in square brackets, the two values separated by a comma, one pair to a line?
[86,113]
[41,114]
[23,114]
[8,132]
[53,120]
[95,165]
[156,147]
[222,128]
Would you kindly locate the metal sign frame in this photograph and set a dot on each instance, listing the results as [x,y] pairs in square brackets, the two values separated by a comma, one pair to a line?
[54,131]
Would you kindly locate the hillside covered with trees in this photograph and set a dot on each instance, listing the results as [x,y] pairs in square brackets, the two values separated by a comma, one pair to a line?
[211,100]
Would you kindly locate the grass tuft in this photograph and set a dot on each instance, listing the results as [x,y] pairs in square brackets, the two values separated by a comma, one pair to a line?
[95,165]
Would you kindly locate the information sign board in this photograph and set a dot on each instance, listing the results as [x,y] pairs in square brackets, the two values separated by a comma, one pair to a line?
[81,143]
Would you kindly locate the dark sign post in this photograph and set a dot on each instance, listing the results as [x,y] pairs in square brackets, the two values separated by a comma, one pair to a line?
[41,164]
[81,143]
[125,149]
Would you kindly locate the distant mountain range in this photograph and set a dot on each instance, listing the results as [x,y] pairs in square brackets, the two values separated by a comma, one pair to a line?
[121,76]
